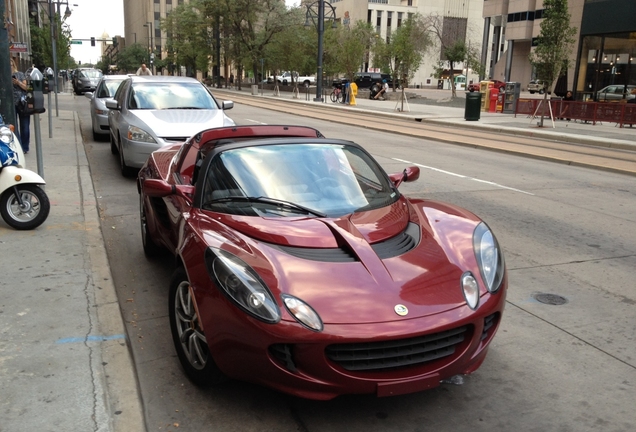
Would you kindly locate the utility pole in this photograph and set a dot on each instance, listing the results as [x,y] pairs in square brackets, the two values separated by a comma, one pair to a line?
[7,108]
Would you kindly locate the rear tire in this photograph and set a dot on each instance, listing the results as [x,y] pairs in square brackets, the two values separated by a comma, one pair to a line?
[189,340]
[33,212]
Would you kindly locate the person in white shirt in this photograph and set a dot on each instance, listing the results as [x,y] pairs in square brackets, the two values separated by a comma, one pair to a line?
[143,70]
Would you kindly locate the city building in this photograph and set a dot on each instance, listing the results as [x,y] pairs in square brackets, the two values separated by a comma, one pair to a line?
[603,53]
[464,17]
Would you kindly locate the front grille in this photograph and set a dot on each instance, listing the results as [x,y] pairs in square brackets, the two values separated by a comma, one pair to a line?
[380,356]
[489,322]
[283,353]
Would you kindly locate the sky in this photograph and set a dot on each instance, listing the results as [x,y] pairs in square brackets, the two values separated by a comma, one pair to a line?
[91,18]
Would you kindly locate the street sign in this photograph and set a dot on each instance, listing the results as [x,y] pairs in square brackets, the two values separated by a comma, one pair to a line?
[76,42]
[18,47]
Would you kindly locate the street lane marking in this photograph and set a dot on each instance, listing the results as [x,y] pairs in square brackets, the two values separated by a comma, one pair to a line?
[255,121]
[463,176]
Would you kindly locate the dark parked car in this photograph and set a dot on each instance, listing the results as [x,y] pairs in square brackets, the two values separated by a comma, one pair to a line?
[369,79]
[85,80]
[300,266]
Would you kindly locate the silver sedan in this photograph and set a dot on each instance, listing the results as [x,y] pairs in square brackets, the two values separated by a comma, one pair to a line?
[105,89]
[149,112]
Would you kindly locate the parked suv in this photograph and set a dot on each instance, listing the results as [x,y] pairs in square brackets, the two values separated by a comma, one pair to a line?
[367,79]
[85,80]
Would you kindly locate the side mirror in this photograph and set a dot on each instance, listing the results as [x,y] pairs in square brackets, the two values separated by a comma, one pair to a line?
[88,95]
[159,189]
[112,104]
[228,105]
[408,175]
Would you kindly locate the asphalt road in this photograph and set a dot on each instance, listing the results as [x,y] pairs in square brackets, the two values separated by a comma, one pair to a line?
[567,231]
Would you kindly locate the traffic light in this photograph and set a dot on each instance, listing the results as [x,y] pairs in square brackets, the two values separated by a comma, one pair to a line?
[114,41]
[92,41]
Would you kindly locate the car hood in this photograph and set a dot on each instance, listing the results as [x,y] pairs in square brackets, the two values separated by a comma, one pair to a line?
[180,123]
[304,258]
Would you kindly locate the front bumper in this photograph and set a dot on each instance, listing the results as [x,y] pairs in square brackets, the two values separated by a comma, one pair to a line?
[296,362]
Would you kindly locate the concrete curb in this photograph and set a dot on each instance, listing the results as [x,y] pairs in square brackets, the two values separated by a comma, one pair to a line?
[116,371]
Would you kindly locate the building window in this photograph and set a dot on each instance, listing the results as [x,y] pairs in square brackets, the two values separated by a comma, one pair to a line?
[399,20]
[378,21]
[389,15]
[369,12]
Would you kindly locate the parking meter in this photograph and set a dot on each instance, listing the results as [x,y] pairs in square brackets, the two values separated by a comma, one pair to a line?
[35,94]
[47,81]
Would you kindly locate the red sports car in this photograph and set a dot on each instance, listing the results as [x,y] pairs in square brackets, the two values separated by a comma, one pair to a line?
[300,266]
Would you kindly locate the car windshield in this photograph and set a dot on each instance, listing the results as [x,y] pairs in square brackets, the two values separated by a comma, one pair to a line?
[91,74]
[295,179]
[170,95]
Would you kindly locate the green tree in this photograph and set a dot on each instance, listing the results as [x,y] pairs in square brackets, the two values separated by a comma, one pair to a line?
[42,45]
[131,57]
[349,45]
[550,58]
[253,24]
[409,43]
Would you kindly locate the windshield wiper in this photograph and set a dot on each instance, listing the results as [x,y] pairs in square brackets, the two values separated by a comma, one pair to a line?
[266,200]
[185,107]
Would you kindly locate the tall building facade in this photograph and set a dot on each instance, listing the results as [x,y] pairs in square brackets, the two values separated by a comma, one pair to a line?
[142,24]
[603,53]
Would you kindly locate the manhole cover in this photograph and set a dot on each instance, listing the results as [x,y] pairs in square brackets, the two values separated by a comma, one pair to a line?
[551,299]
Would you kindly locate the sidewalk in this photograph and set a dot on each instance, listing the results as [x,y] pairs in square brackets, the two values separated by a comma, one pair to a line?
[64,360]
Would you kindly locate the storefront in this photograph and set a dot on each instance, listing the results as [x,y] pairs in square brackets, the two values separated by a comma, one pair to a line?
[607,51]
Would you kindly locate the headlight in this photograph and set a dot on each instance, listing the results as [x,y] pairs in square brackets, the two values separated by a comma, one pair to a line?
[242,285]
[489,257]
[6,136]
[470,288]
[139,135]
[303,312]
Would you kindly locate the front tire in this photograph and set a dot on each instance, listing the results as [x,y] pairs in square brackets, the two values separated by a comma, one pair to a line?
[126,171]
[33,211]
[151,249]
[189,340]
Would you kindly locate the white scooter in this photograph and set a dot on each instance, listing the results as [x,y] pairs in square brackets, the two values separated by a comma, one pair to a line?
[23,203]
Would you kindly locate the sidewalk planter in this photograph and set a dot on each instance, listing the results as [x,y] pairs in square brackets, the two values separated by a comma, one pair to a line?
[473,106]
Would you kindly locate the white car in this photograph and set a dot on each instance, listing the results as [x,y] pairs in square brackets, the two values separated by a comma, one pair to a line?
[105,89]
[149,112]
[536,86]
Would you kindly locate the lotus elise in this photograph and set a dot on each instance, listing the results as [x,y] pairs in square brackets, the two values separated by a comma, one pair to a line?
[300,266]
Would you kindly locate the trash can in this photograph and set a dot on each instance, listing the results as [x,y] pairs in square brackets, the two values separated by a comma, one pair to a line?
[254,90]
[473,106]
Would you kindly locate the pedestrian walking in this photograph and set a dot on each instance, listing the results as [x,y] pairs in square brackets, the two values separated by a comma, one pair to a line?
[143,70]
[23,118]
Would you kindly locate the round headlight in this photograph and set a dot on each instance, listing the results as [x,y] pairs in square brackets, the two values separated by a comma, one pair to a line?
[470,288]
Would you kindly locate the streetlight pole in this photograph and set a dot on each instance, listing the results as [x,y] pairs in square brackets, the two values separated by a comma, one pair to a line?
[318,17]
[150,50]
[53,21]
